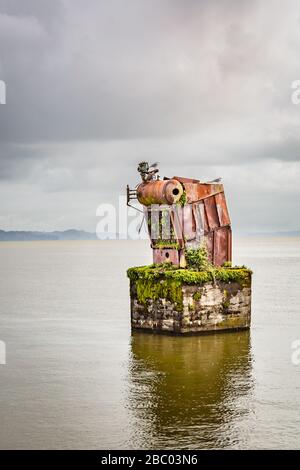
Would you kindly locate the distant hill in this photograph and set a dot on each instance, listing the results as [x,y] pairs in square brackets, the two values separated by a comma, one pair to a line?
[56,235]
[72,234]
[292,233]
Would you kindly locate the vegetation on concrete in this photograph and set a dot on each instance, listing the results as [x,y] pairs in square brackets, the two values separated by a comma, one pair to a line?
[227,264]
[197,259]
[165,280]
[166,244]
[197,296]
[186,276]
[168,289]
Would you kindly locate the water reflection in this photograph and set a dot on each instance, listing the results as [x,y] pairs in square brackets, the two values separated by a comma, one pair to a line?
[192,392]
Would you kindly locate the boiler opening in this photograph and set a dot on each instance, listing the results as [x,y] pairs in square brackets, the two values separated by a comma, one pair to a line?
[167,255]
[175,191]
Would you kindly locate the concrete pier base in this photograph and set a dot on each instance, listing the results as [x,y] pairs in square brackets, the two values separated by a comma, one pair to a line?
[187,302]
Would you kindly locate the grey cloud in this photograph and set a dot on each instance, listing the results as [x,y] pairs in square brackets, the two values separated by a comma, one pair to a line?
[117,70]
[93,87]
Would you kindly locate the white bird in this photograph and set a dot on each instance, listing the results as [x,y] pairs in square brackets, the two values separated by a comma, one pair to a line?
[217,180]
[154,165]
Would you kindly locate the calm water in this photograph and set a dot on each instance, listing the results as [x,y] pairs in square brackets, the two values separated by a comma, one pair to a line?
[77,378]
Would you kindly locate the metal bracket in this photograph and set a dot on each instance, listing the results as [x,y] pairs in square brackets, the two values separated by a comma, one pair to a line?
[131,195]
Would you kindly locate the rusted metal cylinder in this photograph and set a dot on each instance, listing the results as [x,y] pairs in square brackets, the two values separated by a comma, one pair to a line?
[159,192]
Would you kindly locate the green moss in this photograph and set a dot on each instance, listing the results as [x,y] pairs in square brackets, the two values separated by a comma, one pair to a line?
[227,264]
[166,244]
[197,258]
[234,321]
[168,289]
[183,199]
[158,273]
[226,300]
[197,296]
[240,275]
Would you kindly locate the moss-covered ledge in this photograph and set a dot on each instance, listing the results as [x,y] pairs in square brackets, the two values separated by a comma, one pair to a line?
[239,274]
[175,300]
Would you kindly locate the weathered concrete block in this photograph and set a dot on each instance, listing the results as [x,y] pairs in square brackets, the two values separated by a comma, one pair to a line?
[180,301]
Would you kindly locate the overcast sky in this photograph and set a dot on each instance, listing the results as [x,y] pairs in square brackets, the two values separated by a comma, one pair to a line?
[95,86]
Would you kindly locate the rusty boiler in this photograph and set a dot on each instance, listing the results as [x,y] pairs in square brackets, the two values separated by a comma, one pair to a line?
[183,213]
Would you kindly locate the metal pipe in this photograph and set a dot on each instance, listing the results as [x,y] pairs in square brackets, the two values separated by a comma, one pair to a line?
[159,192]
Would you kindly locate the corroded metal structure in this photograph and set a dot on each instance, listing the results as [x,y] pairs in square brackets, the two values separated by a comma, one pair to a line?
[183,213]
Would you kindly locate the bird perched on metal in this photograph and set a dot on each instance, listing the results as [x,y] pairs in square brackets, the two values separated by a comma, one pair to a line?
[217,180]
[154,165]
[147,171]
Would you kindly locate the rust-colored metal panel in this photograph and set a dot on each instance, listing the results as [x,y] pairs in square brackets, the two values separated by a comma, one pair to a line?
[199,216]
[181,179]
[221,246]
[161,255]
[205,219]
[222,210]
[211,212]
[189,225]
[191,192]
[229,241]
[198,191]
